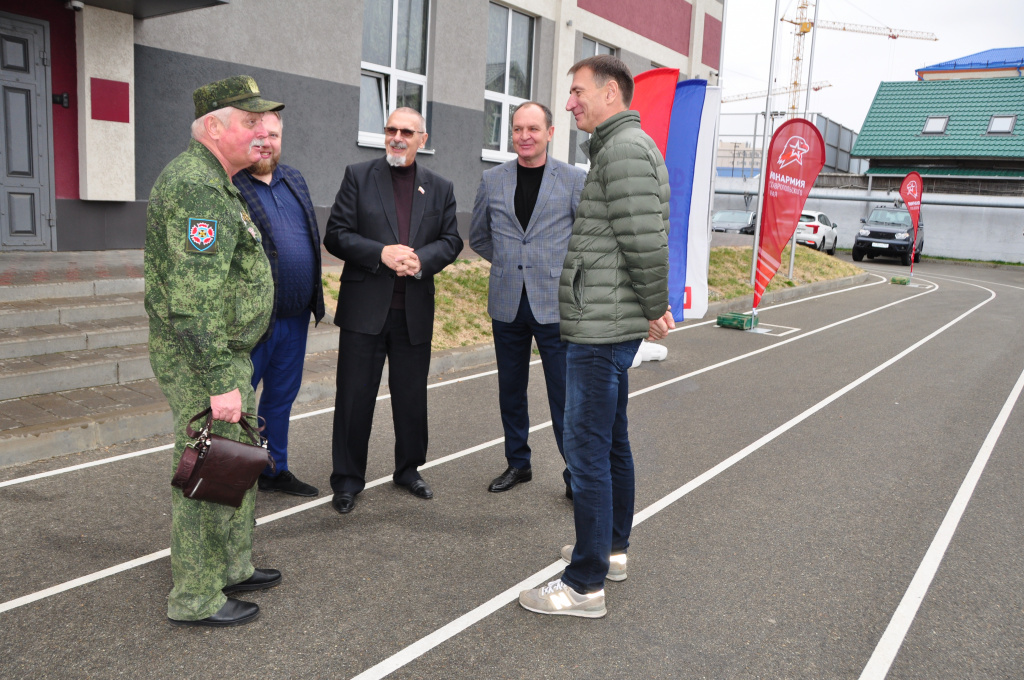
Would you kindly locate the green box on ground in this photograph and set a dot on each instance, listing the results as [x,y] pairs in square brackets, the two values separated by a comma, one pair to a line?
[737,320]
[901,280]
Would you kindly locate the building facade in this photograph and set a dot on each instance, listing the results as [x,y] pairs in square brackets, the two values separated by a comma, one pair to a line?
[97,94]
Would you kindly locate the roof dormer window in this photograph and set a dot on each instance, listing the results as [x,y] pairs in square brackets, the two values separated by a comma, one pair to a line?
[935,125]
[1001,125]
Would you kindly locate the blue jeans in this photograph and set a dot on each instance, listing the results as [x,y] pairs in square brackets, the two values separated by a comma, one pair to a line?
[512,347]
[599,458]
[278,363]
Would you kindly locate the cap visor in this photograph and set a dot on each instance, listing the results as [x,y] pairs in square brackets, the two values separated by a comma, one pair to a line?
[257,105]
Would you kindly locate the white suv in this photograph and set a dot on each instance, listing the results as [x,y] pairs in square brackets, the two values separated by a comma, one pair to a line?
[816,230]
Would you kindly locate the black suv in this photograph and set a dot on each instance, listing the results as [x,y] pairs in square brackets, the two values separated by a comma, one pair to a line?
[888,232]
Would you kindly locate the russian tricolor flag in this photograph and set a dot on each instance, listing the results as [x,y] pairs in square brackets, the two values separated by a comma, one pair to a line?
[682,119]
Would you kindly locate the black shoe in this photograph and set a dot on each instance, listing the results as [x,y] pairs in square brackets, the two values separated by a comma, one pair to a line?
[261,579]
[288,483]
[509,478]
[344,502]
[418,488]
[233,613]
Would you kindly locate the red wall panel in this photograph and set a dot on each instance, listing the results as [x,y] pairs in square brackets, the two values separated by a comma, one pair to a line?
[712,49]
[109,100]
[664,21]
[64,78]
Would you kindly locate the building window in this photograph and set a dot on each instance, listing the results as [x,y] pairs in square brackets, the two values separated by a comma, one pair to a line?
[935,125]
[394,64]
[1001,125]
[588,48]
[509,77]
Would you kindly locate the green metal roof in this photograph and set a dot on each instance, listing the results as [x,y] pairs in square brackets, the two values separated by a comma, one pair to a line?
[897,116]
[947,172]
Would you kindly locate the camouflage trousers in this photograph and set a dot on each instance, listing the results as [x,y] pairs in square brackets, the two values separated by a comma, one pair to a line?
[211,544]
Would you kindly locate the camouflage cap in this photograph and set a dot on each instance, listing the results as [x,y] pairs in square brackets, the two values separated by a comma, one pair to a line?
[241,92]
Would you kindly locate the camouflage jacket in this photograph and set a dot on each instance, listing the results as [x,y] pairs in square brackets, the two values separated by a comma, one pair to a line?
[209,288]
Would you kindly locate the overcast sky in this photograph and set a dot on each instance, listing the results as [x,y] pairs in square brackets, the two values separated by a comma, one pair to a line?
[855,63]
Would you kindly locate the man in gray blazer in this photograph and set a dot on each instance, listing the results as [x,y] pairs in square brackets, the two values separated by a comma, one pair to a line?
[522,219]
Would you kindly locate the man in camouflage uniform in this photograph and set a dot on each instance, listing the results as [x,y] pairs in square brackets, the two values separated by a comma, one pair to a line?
[209,294]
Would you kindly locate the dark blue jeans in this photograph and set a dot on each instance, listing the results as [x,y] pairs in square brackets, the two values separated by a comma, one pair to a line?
[512,347]
[599,458]
[278,363]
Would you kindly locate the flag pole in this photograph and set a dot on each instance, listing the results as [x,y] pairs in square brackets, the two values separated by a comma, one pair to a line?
[764,147]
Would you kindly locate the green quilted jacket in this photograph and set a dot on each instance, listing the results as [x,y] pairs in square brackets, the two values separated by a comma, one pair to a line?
[615,276]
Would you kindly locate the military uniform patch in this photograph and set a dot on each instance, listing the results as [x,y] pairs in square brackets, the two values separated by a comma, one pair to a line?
[202,235]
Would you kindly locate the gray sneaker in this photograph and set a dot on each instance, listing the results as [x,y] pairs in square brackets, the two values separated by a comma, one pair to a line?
[616,567]
[558,598]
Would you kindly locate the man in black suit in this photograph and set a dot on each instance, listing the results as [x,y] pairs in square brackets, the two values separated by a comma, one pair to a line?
[393,223]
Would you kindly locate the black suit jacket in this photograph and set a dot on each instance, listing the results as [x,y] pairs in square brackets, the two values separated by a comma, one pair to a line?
[246,185]
[364,220]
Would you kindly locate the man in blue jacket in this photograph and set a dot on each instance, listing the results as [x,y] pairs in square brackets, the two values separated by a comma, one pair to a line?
[522,219]
[280,205]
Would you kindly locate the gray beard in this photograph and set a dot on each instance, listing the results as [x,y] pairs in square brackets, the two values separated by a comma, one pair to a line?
[395,161]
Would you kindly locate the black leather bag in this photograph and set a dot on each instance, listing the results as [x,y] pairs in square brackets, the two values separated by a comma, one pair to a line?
[217,469]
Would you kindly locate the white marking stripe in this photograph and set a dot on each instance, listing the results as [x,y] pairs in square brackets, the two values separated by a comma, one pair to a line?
[892,639]
[7,606]
[165,447]
[310,414]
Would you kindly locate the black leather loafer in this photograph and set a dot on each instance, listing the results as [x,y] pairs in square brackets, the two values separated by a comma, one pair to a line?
[233,613]
[287,483]
[510,478]
[261,579]
[344,502]
[419,488]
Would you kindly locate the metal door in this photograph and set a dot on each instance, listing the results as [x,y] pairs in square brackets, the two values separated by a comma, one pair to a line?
[26,194]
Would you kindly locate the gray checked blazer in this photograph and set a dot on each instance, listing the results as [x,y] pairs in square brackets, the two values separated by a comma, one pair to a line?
[533,257]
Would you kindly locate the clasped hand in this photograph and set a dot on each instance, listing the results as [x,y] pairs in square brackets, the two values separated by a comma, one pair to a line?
[402,259]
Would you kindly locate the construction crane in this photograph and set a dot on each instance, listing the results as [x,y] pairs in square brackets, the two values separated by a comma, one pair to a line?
[815,86]
[803,27]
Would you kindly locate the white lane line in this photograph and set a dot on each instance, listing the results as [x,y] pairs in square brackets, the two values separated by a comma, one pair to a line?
[82,466]
[33,597]
[319,412]
[428,642]
[83,580]
[165,447]
[892,639]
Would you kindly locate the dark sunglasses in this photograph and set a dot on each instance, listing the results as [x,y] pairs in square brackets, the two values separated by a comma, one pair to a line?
[406,132]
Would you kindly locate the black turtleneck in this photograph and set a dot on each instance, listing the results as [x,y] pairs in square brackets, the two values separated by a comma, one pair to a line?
[527,189]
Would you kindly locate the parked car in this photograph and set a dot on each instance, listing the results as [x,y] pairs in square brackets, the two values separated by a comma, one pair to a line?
[816,230]
[735,221]
[887,232]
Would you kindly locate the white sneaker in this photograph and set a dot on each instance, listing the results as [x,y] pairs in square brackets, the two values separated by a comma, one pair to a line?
[616,566]
[558,598]
[648,351]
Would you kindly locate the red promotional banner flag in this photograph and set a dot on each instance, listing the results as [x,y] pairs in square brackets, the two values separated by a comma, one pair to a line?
[795,157]
[911,191]
[653,94]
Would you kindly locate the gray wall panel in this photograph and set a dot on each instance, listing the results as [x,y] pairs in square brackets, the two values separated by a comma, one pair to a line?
[544,56]
[100,225]
[317,38]
[321,118]
[458,41]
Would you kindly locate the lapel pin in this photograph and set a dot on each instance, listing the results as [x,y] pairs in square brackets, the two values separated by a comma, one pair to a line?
[422,191]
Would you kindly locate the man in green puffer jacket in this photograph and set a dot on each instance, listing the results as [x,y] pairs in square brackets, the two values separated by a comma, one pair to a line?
[613,293]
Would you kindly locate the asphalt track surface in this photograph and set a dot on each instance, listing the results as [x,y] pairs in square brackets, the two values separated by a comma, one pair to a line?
[840,498]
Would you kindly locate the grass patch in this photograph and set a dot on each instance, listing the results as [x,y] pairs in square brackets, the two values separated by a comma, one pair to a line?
[729,271]
[461,318]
